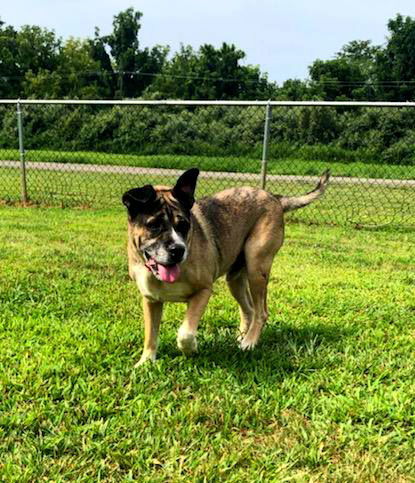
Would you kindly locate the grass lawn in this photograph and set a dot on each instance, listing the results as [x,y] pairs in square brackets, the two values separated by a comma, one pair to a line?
[328,395]
[357,204]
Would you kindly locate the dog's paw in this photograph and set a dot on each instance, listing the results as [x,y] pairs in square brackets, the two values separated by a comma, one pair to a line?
[186,341]
[146,357]
[247,343]
[240,337]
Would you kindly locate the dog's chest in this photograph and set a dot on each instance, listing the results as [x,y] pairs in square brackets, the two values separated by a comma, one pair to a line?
[153,289]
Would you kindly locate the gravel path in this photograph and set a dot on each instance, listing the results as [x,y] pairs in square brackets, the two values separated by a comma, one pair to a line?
[100,168]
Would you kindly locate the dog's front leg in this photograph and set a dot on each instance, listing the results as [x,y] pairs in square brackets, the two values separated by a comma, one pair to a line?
[152,318]
[186,336]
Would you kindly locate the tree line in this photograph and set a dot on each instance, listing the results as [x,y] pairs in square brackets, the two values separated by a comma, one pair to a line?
[36,63]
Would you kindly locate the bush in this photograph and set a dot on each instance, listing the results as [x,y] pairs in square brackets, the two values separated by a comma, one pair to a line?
[402,152]
[326,134]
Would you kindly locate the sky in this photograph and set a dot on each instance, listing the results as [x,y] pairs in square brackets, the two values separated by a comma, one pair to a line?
[283,37]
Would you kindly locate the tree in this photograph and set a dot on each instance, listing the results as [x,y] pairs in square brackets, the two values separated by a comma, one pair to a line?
[77,70]
[30,50]
[123,42]
[38,48]
[105,76]
[361,53]
[297,90]
[351,75]
[177,78]
[210,73]
[396,62]
[150,64]
[135,68]
[74,75]
[337,79]
[10,81]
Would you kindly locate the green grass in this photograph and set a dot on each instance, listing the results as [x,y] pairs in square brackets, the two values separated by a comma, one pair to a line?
[328,395]
[342,204]
[217,163]
[357,204]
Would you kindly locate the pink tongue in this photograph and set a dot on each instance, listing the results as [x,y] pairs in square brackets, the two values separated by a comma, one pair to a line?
[169,274]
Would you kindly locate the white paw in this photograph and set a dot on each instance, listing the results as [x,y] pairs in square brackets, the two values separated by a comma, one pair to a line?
[186,341]
[247,344]
[147,356]
[240,337]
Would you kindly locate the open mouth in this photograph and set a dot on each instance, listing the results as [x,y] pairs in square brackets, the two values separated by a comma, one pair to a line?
[165,273]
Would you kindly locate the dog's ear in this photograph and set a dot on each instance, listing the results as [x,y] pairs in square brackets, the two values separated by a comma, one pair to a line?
[184,190]
[138,200]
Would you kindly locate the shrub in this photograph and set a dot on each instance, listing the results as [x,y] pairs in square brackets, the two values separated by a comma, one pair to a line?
[326,134]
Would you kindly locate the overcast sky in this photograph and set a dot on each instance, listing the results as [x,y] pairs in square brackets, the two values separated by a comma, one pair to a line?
[282,36]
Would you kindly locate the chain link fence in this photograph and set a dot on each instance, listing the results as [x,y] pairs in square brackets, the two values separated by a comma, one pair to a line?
[89,152]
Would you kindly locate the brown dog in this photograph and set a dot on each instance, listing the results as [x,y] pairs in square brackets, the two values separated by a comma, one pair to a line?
[177,248]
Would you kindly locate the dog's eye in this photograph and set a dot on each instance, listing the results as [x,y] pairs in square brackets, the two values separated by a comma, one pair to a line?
[153,226]
[182,227]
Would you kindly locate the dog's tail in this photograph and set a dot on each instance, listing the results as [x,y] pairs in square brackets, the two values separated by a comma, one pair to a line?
[290,203]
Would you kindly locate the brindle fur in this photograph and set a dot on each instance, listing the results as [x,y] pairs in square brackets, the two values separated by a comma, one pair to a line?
[236,233]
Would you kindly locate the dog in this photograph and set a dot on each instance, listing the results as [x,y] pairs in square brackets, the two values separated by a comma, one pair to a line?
[177,248]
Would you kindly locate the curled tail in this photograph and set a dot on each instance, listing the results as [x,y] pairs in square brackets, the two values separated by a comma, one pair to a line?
[290,203]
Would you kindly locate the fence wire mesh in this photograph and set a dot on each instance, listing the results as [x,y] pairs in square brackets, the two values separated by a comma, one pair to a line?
[89,154]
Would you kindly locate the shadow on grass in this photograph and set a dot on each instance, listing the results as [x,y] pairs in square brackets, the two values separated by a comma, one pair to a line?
[282,350]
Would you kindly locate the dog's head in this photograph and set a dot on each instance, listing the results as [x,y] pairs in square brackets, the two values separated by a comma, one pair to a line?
[159,221]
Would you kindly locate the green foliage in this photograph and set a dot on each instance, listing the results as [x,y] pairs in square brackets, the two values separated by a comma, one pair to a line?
[105,76]
[337,79]
[336,134]
[25,52]
[73,77]
[361,71]
[8,127]
[401,152]
[135,67]
[36,63]
[298,90]
[396,63]
[9,68]
[210,73]
[384,132]
[361,53]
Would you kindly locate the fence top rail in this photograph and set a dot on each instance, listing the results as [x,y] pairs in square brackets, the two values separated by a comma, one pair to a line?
[171,102]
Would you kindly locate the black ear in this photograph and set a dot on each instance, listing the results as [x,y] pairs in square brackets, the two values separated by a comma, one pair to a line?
[185,187]
[138,200]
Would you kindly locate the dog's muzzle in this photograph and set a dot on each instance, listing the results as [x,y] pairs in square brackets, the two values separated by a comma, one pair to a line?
[166,272]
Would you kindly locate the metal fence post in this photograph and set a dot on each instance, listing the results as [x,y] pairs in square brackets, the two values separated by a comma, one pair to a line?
[264,162]
[22,154]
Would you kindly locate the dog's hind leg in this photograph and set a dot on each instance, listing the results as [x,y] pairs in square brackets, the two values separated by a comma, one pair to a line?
[239,287]
[260,249]
[186,336]
[152,318]
[258,281]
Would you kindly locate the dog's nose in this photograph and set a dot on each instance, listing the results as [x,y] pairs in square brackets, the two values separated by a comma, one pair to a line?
[176,252]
